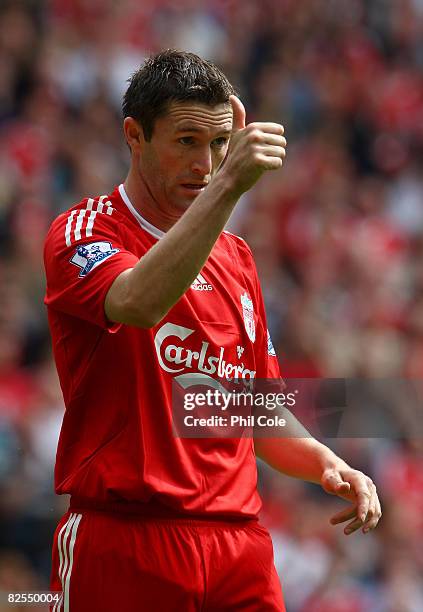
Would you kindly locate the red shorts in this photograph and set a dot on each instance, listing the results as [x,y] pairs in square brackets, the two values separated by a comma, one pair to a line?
[107,562]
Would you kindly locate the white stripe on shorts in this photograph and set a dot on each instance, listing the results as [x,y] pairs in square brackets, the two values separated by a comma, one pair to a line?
[57,606]
[66,558]
[71,547]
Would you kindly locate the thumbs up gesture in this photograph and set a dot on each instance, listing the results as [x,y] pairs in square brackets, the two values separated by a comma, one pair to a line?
[254,149]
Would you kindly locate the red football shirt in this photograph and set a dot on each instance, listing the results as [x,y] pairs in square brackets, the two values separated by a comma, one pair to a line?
[117,441]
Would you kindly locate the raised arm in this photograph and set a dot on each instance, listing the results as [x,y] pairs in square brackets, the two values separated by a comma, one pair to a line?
[144,294]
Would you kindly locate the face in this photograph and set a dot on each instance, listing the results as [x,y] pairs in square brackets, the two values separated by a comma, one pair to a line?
[186,149]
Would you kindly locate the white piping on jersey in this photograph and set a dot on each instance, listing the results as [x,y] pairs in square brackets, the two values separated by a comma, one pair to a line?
[102,205]
[232,234]
[148,227]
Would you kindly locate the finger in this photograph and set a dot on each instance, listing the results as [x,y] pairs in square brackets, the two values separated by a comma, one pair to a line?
[363,503]
[372,523]
[342,488]
[271,151]
[379,510]
[362,487]
[344,515]
[374,514]
[266,138]
[268,127]
[238,114]
[353,526]
[335,485]
[372,517]
[269,163]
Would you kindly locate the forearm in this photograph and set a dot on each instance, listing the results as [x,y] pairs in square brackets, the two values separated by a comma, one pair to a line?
[303,458]
[143,295]
[296,453]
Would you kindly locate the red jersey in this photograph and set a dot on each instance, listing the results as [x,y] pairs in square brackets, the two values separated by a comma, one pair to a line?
[117,442]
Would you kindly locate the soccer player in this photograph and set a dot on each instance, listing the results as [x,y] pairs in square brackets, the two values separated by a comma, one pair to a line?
[144,286]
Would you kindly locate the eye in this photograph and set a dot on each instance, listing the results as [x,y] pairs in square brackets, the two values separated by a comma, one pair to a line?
[220,142]
[186,140]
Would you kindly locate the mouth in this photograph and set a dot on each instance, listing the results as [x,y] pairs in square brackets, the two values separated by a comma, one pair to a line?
[194,188]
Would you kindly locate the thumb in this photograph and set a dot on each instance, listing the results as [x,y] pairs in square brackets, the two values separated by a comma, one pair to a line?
[334,483]
[238,114]
[342,487]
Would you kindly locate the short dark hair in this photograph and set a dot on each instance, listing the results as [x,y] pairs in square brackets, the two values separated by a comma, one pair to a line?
[172,76]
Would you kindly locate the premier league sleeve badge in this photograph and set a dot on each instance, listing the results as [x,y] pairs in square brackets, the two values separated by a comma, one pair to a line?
[88,256]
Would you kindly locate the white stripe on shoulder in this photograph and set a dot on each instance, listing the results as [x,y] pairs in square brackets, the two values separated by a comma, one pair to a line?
[90,223]
[79,221]
[103,205]
[103,200]
[69,227]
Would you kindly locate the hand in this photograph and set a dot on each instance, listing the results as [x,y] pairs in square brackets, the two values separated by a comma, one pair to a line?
[358,488]
[253,149]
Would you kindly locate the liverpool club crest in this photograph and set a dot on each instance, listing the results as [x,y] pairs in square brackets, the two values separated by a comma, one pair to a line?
[248,313]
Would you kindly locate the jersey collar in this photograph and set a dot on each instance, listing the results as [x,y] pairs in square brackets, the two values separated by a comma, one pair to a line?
[148,227]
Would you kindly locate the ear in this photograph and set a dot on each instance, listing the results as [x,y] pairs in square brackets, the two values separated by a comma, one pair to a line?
[134,134]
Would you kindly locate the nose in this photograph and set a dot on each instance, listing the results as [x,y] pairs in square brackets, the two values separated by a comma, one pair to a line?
[202,162]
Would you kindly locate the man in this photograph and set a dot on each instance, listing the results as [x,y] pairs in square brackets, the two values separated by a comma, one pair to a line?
[143,287]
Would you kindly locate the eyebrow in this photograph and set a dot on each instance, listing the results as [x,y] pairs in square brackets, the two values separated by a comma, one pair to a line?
[191,128]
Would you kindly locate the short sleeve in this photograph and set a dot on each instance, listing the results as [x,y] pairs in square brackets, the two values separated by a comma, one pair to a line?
[83,254]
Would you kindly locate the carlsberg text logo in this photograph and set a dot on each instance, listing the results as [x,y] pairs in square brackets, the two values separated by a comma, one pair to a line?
[176,358]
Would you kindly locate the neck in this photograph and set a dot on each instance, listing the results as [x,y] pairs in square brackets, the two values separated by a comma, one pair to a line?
[144,202]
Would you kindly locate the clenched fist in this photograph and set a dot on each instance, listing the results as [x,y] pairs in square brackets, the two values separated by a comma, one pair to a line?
[253,149]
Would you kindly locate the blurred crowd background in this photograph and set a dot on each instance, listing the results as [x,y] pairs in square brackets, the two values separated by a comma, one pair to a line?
[337,236]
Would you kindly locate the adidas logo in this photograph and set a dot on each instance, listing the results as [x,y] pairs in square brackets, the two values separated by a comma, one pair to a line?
[200,284]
